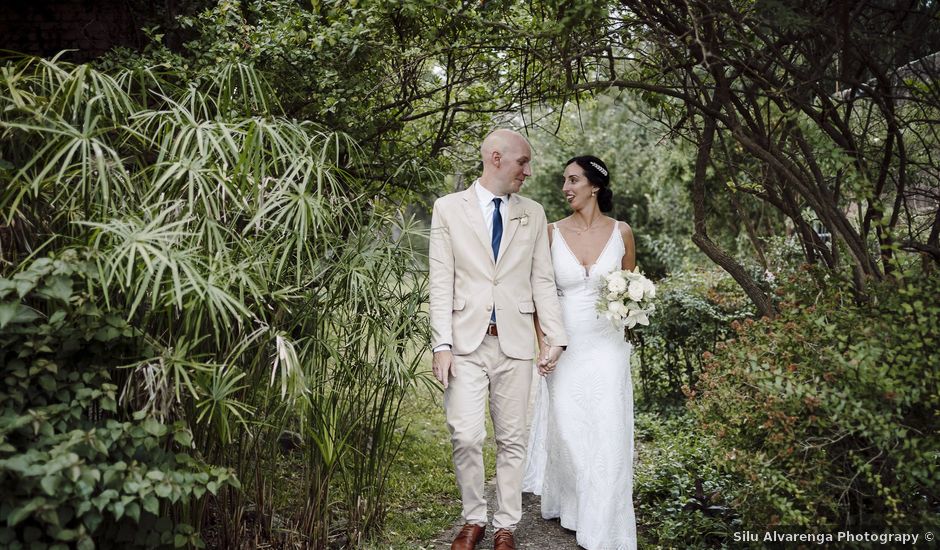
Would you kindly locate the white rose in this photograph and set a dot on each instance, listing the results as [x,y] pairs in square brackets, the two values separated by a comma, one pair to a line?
[635,291]
[649,289]
[616,284]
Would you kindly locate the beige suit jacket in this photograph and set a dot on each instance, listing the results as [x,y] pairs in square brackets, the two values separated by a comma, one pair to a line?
[466,282]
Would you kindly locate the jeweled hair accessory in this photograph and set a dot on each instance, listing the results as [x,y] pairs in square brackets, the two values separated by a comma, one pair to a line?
[598,167]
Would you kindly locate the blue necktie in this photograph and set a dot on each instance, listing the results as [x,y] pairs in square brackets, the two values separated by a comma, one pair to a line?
[497,237]
[497,228]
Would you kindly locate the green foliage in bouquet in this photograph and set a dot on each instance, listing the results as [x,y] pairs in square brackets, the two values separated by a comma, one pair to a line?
[76,468]
[828,414]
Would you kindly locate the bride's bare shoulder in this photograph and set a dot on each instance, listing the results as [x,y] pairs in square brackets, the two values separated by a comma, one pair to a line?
[625,230]
[622,225]
[557,224]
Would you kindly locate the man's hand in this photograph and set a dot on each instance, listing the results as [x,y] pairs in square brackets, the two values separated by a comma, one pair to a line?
[548,359]
[443,366]
[542,362]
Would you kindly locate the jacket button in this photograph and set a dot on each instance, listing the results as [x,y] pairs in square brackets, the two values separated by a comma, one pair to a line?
[489,307]
[496,282]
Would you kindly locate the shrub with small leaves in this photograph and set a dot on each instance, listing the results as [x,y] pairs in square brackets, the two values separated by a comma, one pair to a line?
[76,470]
[678,494]
[828,414]
[693,312]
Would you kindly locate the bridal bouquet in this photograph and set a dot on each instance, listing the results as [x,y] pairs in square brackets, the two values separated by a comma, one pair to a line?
[626,298]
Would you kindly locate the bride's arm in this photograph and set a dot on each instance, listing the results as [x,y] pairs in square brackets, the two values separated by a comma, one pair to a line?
[629,254]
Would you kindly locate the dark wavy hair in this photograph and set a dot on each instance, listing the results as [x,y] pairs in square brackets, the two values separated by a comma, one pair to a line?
[598,178]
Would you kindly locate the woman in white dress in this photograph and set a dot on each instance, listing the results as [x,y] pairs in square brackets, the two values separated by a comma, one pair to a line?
[580,455]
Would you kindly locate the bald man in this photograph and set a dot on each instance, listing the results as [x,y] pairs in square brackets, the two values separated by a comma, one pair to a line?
[490,272]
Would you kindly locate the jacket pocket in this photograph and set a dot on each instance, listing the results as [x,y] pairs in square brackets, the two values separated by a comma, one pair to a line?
[459,304]
[526,307]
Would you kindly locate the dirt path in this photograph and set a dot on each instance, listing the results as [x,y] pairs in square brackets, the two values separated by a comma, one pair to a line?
[533,532]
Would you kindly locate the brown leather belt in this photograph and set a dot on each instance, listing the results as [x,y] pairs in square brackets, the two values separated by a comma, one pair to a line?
[491,330]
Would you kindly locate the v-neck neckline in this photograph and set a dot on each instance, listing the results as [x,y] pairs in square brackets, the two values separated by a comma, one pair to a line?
[587,268]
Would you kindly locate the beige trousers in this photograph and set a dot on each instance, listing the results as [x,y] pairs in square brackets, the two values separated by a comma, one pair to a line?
[487,371]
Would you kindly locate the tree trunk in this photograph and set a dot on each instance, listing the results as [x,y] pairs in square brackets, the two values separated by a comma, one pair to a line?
[765,307]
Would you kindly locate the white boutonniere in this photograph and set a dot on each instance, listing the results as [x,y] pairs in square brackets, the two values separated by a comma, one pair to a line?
[523,219]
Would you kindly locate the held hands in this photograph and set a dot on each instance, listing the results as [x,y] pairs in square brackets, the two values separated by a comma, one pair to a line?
[443,366]
[548,359]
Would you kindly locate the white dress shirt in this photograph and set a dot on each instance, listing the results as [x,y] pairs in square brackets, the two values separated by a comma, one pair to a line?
[487,206]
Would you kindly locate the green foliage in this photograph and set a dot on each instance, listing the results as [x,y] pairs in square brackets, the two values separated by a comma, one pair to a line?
[678,494]
[75,468]
[693,310]
[269,288]
[827,415]
[834,115]
[412,82]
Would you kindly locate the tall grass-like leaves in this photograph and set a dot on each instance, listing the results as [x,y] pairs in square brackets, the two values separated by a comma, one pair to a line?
[275,292]
[221,406]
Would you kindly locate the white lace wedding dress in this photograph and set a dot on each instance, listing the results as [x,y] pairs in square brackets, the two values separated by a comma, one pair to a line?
[580,455]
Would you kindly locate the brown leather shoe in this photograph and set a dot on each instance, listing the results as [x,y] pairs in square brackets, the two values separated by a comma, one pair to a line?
[468,538]
[503,540]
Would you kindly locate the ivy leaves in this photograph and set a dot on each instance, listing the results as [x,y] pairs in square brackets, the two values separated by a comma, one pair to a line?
[72,469]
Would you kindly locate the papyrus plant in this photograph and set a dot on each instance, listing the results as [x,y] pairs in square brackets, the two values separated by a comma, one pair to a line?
[264,276]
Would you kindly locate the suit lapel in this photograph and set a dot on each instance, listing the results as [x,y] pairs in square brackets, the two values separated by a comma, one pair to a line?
[515,213]
[471,209]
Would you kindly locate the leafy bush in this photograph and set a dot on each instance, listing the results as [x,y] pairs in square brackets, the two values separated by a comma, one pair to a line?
[693,310]
[76,468]
[678,493]
[828,414]
[269,289]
